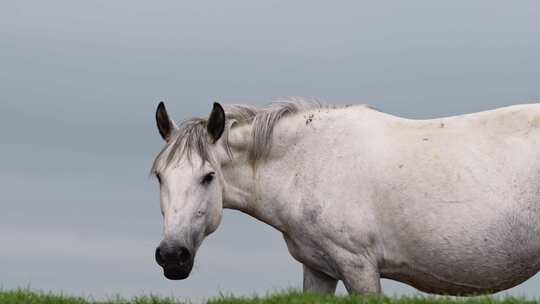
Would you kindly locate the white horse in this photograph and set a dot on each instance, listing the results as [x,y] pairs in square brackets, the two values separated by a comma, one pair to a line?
[448,206]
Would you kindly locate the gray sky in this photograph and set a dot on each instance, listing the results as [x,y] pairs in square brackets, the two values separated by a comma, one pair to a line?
[79,82]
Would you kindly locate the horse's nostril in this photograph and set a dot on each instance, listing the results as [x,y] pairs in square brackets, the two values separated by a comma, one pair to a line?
[184,255]
[170,255]
[159,257]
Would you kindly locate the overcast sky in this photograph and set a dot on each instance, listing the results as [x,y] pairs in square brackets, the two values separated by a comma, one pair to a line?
[80,80]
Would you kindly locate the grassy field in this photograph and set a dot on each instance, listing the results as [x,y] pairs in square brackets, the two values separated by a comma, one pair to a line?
[29,297]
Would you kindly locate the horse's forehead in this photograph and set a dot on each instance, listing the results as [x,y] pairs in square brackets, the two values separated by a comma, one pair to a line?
[185,164]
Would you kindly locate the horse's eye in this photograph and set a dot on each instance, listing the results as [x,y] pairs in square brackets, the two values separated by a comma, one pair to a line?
[208,178]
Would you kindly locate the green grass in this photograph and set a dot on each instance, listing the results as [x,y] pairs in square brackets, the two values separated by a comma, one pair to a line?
[29,297]
[23,296]
[300,298]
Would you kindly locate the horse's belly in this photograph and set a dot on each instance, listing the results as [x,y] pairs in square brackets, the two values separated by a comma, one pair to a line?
[471,259]
[487,279]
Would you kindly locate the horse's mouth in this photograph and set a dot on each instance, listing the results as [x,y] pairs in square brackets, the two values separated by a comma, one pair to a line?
[177,272]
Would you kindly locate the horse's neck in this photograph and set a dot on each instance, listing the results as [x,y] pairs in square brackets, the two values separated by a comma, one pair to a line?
[267,190]
[243,190]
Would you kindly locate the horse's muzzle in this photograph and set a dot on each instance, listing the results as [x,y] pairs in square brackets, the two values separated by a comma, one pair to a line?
[177,272]
[176,262]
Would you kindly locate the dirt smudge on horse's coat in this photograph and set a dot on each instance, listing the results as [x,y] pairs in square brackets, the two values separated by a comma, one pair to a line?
[310,119]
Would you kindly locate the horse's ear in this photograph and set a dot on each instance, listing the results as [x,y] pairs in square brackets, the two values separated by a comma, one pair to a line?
[216,123]
[164,123]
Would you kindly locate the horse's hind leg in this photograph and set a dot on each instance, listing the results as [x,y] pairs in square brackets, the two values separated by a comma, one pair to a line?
[318,282]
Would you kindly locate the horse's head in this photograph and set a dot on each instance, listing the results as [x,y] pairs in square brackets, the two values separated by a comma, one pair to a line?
[191,187]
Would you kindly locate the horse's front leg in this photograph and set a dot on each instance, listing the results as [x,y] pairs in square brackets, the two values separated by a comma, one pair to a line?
[318,282]
[362,278]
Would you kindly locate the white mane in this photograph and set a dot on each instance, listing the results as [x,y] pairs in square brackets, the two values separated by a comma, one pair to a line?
[191,136]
